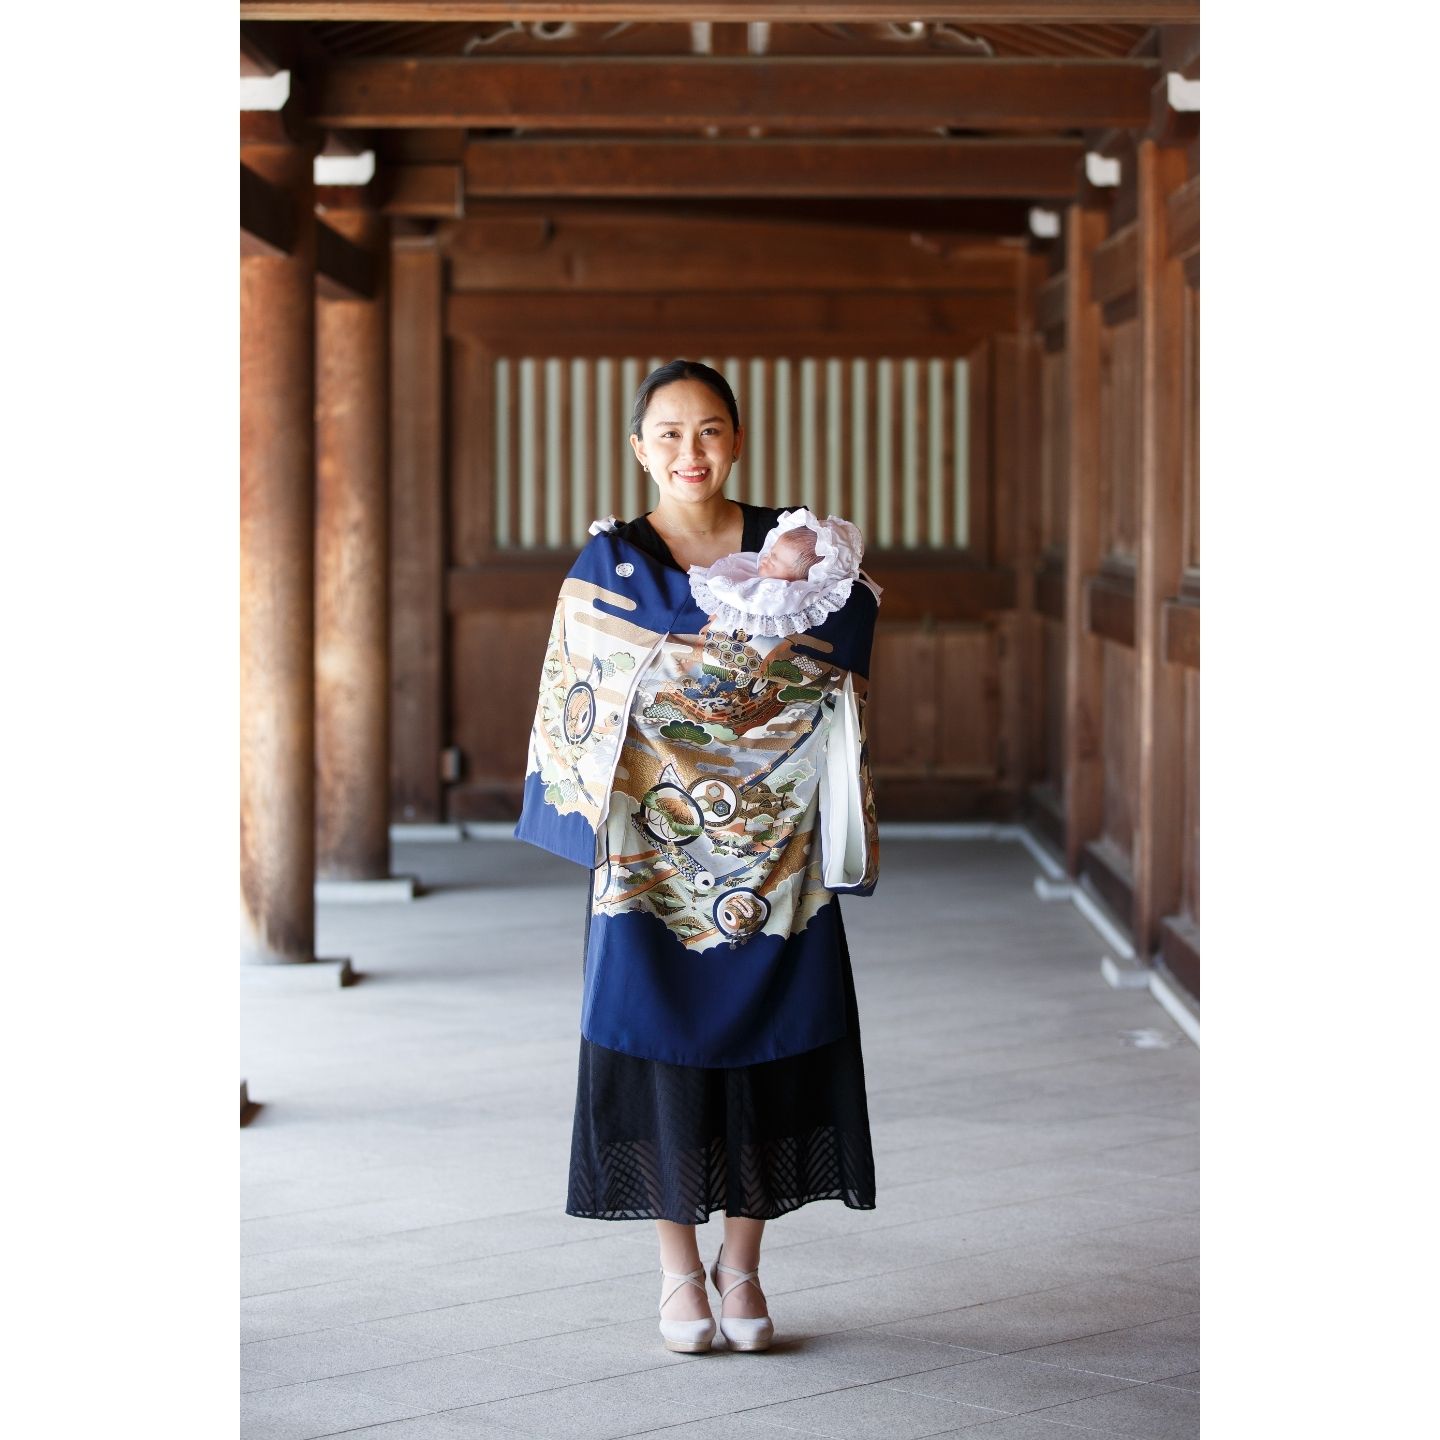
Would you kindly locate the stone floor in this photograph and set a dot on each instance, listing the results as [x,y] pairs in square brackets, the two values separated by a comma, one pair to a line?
[1030,1273]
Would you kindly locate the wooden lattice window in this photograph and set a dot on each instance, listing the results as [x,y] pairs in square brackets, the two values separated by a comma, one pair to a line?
[882,440]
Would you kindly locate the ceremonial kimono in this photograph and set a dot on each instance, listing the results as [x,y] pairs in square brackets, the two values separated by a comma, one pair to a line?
[684,765]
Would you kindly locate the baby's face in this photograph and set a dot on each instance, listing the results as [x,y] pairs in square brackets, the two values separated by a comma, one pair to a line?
[788,559]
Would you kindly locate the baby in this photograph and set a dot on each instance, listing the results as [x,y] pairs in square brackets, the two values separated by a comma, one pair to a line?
[791,555]
[802,573]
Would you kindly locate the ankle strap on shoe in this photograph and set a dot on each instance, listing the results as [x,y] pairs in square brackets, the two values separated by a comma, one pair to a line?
[693,1277]
[746,1276]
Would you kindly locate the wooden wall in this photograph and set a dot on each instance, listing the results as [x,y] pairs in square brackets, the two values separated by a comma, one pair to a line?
[1115,785]
[891,357]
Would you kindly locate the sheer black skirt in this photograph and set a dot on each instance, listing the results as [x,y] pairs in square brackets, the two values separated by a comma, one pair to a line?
[674,1142]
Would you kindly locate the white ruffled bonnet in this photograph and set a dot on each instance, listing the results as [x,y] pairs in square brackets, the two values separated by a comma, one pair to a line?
[737,596]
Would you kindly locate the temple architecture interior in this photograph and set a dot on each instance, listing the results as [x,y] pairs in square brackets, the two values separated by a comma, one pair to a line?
[951,267]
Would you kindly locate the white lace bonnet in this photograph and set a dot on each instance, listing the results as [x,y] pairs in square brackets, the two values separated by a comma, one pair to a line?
[739,597]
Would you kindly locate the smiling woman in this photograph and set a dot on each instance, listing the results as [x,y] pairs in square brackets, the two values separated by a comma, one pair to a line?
[685,764]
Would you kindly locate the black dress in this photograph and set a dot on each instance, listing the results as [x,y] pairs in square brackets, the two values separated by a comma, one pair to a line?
[675,1142]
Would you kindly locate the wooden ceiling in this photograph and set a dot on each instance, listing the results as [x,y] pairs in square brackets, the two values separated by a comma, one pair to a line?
[356,39]
[964,118]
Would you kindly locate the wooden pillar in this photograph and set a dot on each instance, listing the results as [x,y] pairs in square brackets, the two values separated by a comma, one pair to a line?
[277,569]
[352,558]
[1159,687]
[1084,759]
[417,560]
[1015,545]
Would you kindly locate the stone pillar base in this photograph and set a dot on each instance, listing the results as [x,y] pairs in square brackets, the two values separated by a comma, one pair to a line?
[299,975]
[364,892]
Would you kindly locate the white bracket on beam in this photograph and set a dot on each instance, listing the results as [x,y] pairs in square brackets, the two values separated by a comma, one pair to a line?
[1044,224]
[1182,94]
[345,169]
[265,92]
[1101,170]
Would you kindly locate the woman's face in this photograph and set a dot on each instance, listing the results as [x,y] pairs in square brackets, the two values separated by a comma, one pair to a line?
[687,442]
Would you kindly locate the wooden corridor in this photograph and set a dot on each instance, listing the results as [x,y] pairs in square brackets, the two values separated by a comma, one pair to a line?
[951,266]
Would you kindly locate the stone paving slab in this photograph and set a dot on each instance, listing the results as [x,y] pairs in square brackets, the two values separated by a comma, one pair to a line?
[1030,1271]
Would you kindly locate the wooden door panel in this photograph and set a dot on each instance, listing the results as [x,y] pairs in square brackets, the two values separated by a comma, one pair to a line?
[495,668]
[968,686]
[900,715]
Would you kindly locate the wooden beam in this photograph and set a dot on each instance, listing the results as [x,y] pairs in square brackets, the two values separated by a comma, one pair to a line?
[267,216]
[953,169]
[1050,305]
[1115,261]
[1110,609]
[609,250]
[1180,624]
[343,269]
[1005,12]
[692,91]
[1084,680]
[1182,222]
[976,219]
[894,322]
[1050,589]
[429,191]
[1159,685]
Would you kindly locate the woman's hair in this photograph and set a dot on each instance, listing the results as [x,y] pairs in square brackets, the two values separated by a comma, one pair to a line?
[681,370]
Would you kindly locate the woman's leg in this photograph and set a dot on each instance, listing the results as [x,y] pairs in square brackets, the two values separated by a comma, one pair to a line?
[742,1252]
[680,1255]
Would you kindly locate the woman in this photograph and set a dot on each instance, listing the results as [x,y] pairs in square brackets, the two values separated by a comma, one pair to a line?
[720,1063]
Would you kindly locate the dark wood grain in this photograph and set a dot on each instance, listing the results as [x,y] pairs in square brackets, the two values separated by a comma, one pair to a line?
[343,269]
[1115,266]
[689,92]
[1180,633]
[858,168]
[433,191]
[623,248]
[1128,12]
[267,216]
[416,527]
[1160,694]
[1110,608]
[1083,763]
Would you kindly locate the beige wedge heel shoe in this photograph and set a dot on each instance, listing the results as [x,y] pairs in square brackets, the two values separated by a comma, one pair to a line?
[692,1337]
[741,1332]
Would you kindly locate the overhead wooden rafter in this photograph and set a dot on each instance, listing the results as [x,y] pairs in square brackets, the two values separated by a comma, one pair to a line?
[790,93]
[850,322]
[1035,169]
[566,247]
[1011,12]
[267,216]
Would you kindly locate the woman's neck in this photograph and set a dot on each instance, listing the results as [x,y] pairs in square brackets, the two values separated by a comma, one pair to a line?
[699,534]
[695,522]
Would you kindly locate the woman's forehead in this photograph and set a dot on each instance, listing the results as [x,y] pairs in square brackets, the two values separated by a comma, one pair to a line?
[685,400]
